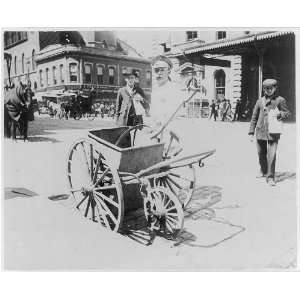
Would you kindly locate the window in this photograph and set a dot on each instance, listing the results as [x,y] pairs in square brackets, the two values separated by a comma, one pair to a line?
[14,37]
[125,71]
[191,35]
[73,72]
[23,67]
[88,73]
[100,74]
[221,35]
[41,78]
[61,73]
[148,77]
[33,60]
[28,66]
[220,84]
[47,77]
[111,74]
[54,75]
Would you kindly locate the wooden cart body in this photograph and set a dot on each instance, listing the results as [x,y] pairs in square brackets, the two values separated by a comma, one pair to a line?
[125,158]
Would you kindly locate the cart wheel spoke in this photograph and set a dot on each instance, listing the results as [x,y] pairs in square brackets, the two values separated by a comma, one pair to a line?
[108,187]
[99,163]
[83,199]
[102,215]
[101,177]
[109,200]
[92,160]
[87,207]
[106,209]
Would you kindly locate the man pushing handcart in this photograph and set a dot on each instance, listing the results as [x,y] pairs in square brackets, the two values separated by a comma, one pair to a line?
[109,178]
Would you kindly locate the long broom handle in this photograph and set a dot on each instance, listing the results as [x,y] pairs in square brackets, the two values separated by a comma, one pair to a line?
[173,115]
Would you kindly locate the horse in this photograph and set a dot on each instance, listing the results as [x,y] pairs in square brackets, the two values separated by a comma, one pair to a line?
[17,111]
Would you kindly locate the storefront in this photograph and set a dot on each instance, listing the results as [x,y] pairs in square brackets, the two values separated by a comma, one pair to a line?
[263,55]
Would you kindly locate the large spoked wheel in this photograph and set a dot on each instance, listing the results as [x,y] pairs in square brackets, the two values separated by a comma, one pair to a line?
[163,212]
[180,181]
[91,115]
[95,185]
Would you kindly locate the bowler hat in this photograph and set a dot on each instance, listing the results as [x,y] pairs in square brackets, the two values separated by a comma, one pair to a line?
[133,72]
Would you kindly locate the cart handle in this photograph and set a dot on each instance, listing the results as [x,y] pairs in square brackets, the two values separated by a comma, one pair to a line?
[125,132]
[173,115]
[198,157]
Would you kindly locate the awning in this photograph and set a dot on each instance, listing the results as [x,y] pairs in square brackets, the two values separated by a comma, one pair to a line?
[244,40]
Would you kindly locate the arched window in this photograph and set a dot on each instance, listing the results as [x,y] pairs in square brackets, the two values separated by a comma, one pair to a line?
[220,84]
[23,63]
[33,60]
[15,66]
[111,74]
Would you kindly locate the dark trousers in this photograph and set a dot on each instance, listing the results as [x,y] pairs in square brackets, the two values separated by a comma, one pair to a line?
[267,156]
[213,113]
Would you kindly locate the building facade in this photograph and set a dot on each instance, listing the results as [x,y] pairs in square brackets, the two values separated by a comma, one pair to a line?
[75,60]
[234,63]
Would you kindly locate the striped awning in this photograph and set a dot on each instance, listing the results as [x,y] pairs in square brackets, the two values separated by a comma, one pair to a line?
[236,41]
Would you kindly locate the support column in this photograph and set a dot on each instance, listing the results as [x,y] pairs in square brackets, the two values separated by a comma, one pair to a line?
[260,71]
[81,71]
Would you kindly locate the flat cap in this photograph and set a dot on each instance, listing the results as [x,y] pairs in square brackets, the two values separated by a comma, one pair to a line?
[162,58]
[269,82]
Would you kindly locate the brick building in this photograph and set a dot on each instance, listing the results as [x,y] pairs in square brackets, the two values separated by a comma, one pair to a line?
[56,60]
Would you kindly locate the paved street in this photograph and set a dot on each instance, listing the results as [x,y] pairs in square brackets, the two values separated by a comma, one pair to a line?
[235,220]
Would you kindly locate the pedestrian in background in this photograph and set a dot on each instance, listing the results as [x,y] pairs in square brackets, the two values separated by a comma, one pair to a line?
[213,110]
[126,107]
[271,104]
[226,110]
[237,112]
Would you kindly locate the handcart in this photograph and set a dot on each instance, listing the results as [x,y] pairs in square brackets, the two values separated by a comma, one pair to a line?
[109,175]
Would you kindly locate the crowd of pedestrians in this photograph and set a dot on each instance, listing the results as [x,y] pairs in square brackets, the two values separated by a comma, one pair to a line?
[223,111]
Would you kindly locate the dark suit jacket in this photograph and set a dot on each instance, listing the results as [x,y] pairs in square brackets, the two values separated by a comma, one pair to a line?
[259,118]
[124,105]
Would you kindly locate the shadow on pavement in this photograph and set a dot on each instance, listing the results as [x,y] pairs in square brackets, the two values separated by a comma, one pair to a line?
[35,139]
[281,176]
[13,192]
[202,227]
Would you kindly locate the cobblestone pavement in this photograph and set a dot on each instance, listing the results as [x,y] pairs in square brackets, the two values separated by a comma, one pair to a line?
[234,220]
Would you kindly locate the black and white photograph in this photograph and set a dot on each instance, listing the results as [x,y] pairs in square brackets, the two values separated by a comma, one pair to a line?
[149,149]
